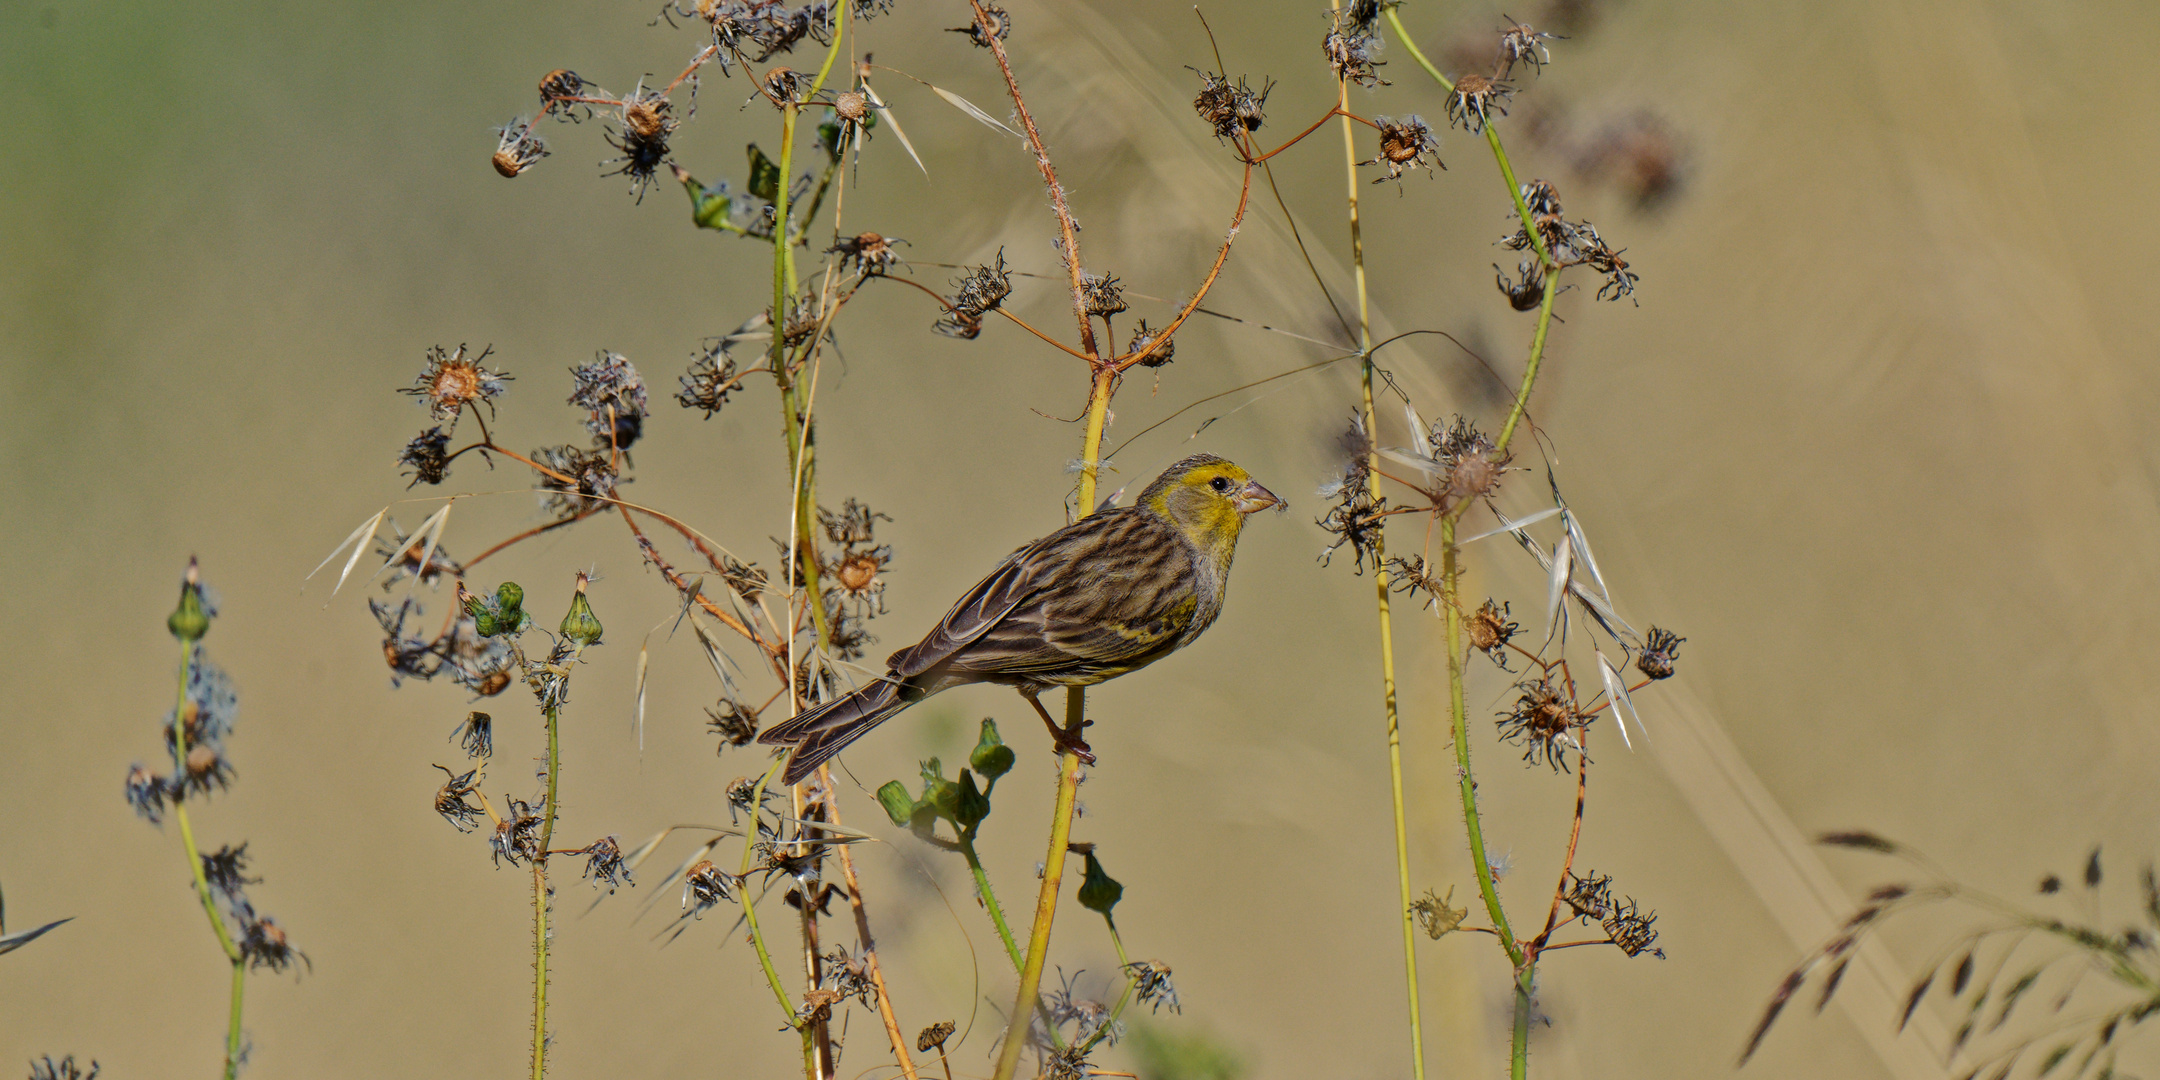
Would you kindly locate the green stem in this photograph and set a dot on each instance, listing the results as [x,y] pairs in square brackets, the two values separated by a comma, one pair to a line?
[540,893]
[1458,723]
[990,900]
[1519,1046]
[757,937]
[1053,876]
[1116,1011]
[195,866]
[1381,592]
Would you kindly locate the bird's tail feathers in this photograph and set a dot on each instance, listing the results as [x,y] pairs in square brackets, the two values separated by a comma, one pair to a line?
[828,729]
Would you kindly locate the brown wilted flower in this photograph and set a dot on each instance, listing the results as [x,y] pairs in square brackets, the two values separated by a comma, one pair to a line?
[1632,931]
[64,1069]
[934,1036]
[1351,45]
[1357,515]
[1152,985]
[452,801]
[1527,293]
[226,871]
[476,734]
[1437,915]
[559,84]
[1101,295]
[979,292]
[590,485]
[263,945]
[1230,110]
[147,792]
[735,723]
[517,148]
[1541,198]
[613,396]
[1144,337]
[1475,99]
[851,105]
[1520,43]
[1542,722]
[1405,144]
[1471,466]
[802,324]
[784,86]
[428,456]
[204,769]
[871,253]
[710,380]
[517,836]
[1659,650]
[1590,898]
[707,886]
[645,120]
[1490,630]
[451,381]
[997,22]
[604,863]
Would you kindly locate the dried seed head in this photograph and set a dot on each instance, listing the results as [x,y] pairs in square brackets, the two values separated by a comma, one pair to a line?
[1151,984]
[590,483]
[934,1036]
[1521,43]
[871,253]
[476,734]
[613,396]
[204,770]
[1527,293]
[1633,931]
[1143,337]
[785,85]
[558,84]
[452,800]
[1101,295]
[604,863]
[984,288]
[736,724]
[851,105]
[710,379]
[1541,722]
[428,456]
[1474,467]
[263,945]
[994,23]
[646,120]
[1541,198]
[1590,898]
[1404,144]
[1351,45]
[451,381]
[1660,649]
[1230,109]
[1475,99]
[1490,629]
[517,148]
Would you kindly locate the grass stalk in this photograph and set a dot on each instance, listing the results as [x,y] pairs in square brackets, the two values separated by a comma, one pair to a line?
[1381,593]
[195,866]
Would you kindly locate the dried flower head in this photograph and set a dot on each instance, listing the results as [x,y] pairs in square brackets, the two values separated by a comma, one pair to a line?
[428,456]
[1404,144]
[871,254]
[1542,722]
[735,723]
[451,381]
[934,1036]
[613,396]
[64,1069]
[1520,43]
[476,734]
[1474,100]
[1590,898]
[645,121]
[1101,295]
[453,799]
[517,148]
[1491,630]
[707,886]
[1230,109]
[203,770]
[710,380]
[1152,985]
[1437,915]
[1351,45]
[851,105]
[1471,466]
[1143,338]
[576,482]
[225,870]
[994,23]
[978,293]
[1660,649]
[517,835]
[1357,515]
[1541,198]
[1632,931]
[1528,292]
[604,863]
[559,84]
[147,792]
[263,945]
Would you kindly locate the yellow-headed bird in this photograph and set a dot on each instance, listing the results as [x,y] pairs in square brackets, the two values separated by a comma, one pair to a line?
[1110,593]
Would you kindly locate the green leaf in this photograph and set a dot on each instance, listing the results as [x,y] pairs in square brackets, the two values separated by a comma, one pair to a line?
[764,175]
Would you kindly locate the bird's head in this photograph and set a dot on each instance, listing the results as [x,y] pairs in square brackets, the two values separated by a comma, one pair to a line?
[1208,498]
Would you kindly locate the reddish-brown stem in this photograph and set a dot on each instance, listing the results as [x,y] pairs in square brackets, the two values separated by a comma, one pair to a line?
[1300,136]
[1567,866]
[1123,363]
[1066,226]
[1023,323]
[682,586]
[869,945]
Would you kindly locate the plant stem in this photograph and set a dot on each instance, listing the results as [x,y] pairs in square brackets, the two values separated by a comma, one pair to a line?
[1519,1045]
[541,891]
[757,937]
[990,900]
[869,945]
[195,866]
[1458,723]
[1046,901]
[1381,591]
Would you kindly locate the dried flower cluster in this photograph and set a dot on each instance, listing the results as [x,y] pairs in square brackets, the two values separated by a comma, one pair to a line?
[1404,144]
[1352,42]
[977,293]
[1571,243]
[1232,110]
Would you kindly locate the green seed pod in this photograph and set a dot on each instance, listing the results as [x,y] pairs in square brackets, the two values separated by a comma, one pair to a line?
[1099,891]
[898,804]
[992,758]
[939,794]
[485,624]
[765,176]
[581,625]
[509,597]
[970,805]
[708,208]
[189,622]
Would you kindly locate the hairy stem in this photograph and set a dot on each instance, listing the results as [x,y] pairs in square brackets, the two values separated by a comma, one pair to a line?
[1046,901]
[749,902]
[540,893]
[990,900]
[1458,724]
[1380,593]
[1519,1043]
[195,866]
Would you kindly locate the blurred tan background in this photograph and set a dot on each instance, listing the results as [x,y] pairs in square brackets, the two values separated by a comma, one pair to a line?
[1875,442]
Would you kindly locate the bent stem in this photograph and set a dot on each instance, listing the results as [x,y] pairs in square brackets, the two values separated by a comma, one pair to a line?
[233,954]
[1380,592]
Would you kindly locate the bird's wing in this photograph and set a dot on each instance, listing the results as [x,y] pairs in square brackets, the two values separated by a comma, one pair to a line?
[983,607]
[1106,593]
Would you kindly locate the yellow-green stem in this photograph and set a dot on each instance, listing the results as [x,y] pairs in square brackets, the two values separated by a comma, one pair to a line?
[1046,901]
[195,867]
[1519,1045]
[749,903]
[1458,724]
[990,901]
[540,893]
[1381,590]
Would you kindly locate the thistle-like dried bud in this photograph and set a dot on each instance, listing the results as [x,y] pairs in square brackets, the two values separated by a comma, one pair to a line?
[1230,109]
[1143,337]
[452,381]
[1660,649]
[934,1036]
[1490,629]
[517,148]
[1404,144]
[1474,101]
[1101,295]
[558,84]
[994,23]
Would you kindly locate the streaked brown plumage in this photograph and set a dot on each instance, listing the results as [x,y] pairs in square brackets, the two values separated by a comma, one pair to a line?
[1108,594]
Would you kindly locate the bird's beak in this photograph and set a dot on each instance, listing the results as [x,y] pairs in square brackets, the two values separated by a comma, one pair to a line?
[1253,498]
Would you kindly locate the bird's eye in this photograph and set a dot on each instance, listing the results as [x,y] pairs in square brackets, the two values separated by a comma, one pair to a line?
[1220,483]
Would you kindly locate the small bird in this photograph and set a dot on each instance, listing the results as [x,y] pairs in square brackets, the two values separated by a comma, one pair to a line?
[1110,593]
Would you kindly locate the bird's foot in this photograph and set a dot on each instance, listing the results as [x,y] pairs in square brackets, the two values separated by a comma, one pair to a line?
[1068,740]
